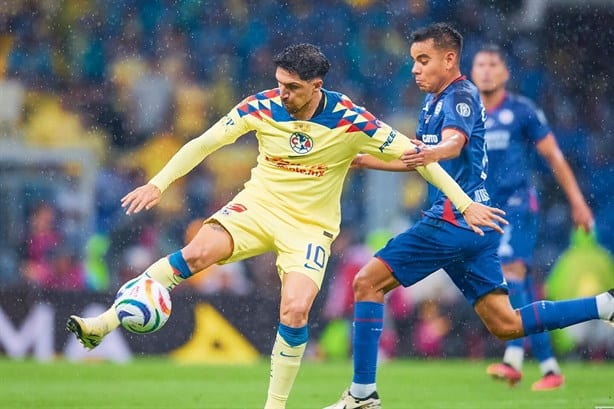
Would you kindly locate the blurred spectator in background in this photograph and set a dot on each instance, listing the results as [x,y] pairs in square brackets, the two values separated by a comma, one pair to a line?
[42,237]
[12,93]
[430,330]
[48,264]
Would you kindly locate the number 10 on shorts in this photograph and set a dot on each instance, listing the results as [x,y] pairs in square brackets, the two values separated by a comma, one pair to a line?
[315,256]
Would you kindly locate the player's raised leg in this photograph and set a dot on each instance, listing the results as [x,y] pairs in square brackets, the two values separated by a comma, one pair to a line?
[211,244]
[506,323]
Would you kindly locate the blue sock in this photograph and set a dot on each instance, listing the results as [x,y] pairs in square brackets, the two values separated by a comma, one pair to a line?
[293,336]
[543,316]
[179,265]
[368,325]
[541,346]
[519,297]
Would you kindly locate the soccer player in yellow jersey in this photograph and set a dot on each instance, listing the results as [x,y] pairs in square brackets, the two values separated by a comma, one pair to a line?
[307,139]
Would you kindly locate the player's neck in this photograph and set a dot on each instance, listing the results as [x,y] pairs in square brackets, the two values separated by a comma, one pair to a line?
[456,75]
[492,99]
[308,111]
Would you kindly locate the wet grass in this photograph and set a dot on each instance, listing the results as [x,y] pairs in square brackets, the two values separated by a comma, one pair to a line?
[403,384]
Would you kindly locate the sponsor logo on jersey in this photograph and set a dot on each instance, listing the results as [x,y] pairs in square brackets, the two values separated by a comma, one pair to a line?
[430,138]
[481,195]
[391,136]
[228,121]
[233,207]
[311,170]
[497,140]
[438,108]
[301,142]
[463,109]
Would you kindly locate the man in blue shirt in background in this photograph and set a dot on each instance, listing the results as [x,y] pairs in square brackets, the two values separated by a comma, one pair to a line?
[515,127]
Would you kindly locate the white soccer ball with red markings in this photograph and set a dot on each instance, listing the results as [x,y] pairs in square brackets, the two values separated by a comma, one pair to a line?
[143,305]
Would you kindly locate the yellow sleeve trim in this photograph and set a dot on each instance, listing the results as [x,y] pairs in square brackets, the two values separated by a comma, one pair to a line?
[439,178]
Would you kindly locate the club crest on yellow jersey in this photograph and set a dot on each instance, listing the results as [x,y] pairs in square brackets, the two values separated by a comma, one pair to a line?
[301,142]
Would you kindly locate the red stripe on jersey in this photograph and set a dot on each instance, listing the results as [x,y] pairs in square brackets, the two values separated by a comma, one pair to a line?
[368,115]
[272,93]
[448,213]
[347,103]
[369,126]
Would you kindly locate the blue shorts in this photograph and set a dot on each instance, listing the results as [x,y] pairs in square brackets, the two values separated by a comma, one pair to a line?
[470,260]
[519,237]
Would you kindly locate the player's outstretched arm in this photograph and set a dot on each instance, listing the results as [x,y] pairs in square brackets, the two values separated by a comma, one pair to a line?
[143,197]
[366,161]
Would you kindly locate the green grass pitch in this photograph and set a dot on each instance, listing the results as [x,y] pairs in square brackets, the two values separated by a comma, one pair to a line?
[403,384]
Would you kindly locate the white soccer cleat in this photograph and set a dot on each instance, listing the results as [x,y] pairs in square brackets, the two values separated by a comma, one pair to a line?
[347,401]
[89,331]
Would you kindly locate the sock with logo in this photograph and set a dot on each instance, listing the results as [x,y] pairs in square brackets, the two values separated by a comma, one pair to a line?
[286,359]
[543,316]
[368,326]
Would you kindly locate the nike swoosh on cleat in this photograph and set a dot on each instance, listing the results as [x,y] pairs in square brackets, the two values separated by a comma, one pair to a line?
[282,353]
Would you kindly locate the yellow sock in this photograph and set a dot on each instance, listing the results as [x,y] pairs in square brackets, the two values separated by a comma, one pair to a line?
[285,363]
[162,272]
[110,320]
[102,324]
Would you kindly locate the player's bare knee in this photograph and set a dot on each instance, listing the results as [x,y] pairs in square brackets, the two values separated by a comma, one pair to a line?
[363,288]
[294,312]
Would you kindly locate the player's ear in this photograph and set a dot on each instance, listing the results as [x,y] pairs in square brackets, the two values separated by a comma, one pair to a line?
[317,84]
[451,59]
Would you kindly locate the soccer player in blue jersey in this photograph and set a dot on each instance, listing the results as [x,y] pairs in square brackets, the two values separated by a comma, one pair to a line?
[450,130]
[514,128]
[307,138]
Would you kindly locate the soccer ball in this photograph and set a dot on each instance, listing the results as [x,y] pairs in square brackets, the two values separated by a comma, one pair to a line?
[143,305]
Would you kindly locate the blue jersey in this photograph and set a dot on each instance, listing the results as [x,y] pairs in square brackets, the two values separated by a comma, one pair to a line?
[458,106]
[513,128]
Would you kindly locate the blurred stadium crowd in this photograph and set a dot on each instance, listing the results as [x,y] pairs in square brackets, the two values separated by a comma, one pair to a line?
[133,80]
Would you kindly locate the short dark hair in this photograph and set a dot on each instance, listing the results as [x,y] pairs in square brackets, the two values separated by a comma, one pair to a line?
[303,59]
[443,34]
[492,48]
